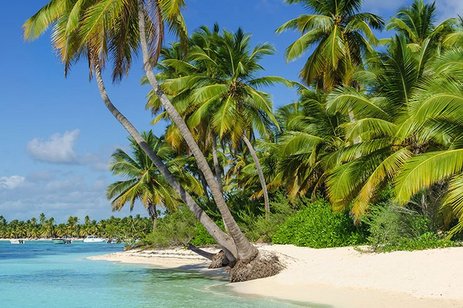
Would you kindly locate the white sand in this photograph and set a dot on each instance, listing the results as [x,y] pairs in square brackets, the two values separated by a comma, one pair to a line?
[180,259]
[342,277]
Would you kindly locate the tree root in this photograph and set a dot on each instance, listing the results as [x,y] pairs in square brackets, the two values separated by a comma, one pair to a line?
[263,265]
[219,260]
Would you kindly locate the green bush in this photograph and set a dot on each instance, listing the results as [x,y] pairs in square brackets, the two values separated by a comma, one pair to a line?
[259,229]
[394,228]
[201,236]
[178,228]
[428,240]
[318,226]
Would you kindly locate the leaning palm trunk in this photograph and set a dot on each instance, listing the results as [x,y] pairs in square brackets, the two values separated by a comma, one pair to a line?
[218,172]
[215,160]
[222,238]
[152,211]
[246,251]
[260,173]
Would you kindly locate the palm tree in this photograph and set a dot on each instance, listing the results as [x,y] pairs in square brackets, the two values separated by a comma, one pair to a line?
[435,120]
[408,129]
[144,182]
[310,135]
[364,167]
[72,227]
[340,35]
[245,251]
[77,32]
[224,95]
[106,28]
[416,24]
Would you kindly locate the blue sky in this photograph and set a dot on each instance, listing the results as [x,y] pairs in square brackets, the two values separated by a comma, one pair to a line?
[56,135]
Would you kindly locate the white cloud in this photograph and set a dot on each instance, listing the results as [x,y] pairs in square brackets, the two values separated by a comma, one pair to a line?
[58,148]
[11,182]
[65,194]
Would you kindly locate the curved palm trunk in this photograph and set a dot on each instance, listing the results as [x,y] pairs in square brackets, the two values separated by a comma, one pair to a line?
[222,238]
[246,251]
[260,173]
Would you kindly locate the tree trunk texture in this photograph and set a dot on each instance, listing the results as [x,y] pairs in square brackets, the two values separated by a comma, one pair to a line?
[221,237]
[218,172]
[152,211]
[246,251]
[260,173]
[215,159]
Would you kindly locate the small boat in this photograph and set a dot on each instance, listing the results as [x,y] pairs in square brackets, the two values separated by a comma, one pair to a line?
[16,241]
[94,239]
[61,241]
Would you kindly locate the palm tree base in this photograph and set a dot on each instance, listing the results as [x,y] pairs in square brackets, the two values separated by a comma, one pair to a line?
[219,260]
[265,264]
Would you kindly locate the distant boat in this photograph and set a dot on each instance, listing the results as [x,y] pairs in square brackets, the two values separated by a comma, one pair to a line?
[94,239]
[16,241]
[61,241]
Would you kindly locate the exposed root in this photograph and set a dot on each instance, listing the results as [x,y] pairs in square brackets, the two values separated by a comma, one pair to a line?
[219,260]
[265,264]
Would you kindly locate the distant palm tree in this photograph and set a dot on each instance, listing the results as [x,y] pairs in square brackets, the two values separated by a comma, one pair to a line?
[340,35]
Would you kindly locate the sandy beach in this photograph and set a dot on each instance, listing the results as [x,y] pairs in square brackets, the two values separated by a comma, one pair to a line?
[338,277]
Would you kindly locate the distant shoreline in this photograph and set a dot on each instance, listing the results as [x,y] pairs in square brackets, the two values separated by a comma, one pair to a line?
[41,239]
[342,277]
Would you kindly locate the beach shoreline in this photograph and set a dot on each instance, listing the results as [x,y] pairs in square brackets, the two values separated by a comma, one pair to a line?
[338,277]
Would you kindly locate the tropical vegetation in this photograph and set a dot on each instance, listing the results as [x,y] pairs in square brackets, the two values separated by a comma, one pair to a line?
[371,152]
[128,229]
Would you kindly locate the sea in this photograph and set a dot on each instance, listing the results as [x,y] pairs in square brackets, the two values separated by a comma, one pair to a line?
[44,274]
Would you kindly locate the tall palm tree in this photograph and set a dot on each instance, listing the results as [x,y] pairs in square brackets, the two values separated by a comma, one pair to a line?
[105,30]
[379,111]
[102,29]
[224,91]
[340,36]
[245,251]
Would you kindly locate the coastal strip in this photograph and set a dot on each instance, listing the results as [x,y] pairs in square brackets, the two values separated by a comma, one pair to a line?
[175,259]
[340,277]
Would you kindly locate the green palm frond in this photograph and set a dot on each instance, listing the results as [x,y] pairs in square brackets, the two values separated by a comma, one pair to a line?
[454,200]
[369,128]
[385,170]
[426,169]
[44,18]
[348,100]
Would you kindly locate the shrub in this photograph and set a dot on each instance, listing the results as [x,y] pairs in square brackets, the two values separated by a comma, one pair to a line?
[394,228]
[317,226]
[201,237]
[259,229]
[428,240]
[178,229]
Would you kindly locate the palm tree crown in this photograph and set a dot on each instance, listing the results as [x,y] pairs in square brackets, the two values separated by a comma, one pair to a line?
[340,35]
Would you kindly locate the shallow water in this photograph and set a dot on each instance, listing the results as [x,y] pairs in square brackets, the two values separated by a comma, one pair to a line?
[43,274]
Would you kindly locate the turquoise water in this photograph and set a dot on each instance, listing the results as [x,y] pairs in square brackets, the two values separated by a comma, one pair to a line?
[43,274]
